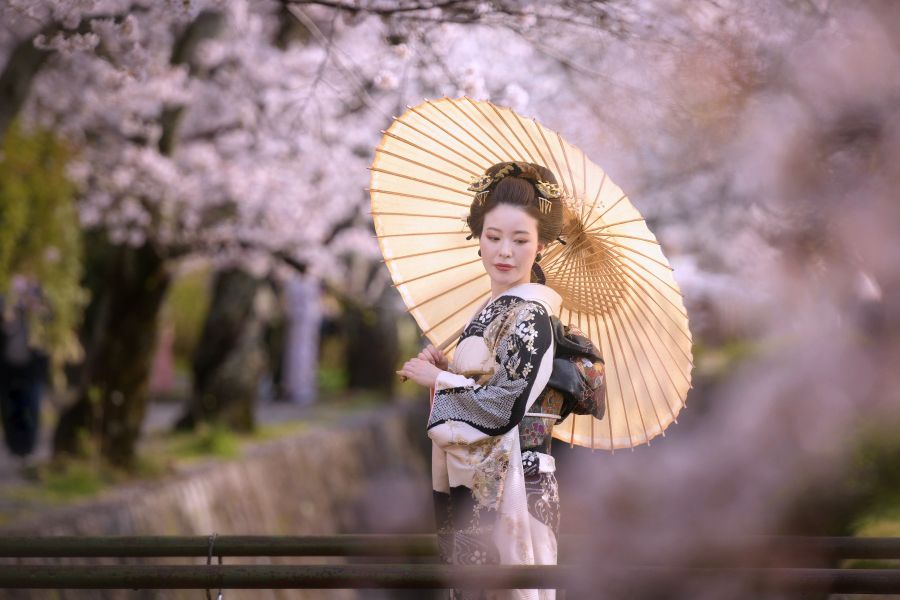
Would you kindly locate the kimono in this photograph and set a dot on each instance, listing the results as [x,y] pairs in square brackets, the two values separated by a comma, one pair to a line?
[499,369]
[535,437]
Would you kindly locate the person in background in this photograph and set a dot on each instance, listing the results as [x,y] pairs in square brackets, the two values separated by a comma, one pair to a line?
[23,368]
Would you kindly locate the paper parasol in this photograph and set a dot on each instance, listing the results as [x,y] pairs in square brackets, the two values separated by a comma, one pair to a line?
[616,284]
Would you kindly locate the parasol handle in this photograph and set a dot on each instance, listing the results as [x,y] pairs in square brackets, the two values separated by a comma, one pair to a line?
[453,337]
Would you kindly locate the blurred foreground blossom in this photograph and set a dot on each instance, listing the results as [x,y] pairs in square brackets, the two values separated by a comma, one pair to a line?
[811,160]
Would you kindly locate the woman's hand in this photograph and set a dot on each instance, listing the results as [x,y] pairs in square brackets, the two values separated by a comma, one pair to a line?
[421,371]
[434,356]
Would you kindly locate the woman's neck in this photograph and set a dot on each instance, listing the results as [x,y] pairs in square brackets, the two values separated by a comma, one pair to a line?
[498,289]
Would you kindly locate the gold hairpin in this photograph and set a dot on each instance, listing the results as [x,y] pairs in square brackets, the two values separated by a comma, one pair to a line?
[544,205]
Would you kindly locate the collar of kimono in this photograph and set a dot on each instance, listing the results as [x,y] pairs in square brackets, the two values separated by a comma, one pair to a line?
[538,292]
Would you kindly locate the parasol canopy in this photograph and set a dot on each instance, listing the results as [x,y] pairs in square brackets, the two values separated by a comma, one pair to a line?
[617,286]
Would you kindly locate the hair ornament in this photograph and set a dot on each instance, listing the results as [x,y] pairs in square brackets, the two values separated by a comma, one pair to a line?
[544,205]
[548,190]
[480,184]
[508,169]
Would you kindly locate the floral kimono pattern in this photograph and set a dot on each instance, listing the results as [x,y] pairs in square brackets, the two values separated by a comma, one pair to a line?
[500,367]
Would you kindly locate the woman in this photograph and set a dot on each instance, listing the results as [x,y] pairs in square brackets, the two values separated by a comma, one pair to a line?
[500,368]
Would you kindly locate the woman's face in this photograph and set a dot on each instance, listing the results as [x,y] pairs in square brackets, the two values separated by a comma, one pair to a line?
[509,243]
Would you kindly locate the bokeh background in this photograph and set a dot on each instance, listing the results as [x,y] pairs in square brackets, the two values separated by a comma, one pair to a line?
[189,275]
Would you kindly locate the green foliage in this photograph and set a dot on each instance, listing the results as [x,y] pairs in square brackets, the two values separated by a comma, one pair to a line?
[721,360]
[332,380]
[881,522]
[78,479]
[332,375]
[40,238]
[876,472]
[186,306]
[65,480]
[214,440]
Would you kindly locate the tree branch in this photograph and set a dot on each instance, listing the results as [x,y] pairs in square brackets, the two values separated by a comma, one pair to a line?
[207,25]
[383,10]
[354,77]
[26,60]
[15,81]
[320,71]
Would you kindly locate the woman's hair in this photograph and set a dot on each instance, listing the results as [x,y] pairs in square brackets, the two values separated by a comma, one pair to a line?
[516,185]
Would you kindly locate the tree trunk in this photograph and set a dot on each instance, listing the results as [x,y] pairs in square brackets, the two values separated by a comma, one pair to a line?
[301,352]
[112,396]
[373,346]
[24,63]
[230,359]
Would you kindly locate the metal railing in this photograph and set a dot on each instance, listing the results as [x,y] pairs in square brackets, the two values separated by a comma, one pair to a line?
[734,561]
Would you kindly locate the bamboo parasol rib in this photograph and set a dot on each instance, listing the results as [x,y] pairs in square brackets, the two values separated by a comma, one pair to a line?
[617,285]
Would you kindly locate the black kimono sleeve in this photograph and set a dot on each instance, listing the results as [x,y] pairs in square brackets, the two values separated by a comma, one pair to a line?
[498,406]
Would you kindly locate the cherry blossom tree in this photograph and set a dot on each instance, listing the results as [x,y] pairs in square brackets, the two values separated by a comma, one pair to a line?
[198,133]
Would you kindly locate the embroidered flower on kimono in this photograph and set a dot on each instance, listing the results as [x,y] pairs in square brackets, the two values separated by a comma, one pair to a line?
[479,557]
[526,330]
[512,367]
[527,333]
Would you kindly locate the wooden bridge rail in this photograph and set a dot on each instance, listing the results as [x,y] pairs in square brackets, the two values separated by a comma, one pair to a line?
[414,549]
[380,545]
